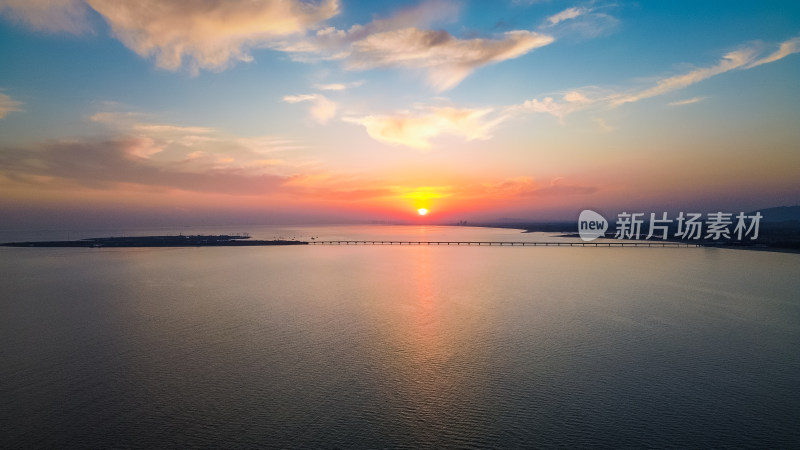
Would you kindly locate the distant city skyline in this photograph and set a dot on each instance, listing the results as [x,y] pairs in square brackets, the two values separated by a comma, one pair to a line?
[155,113]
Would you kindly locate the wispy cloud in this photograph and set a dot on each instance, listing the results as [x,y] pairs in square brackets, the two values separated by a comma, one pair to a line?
[567,14]
[584,21]
[157,136]
[105,164]
[126,161]
[558,187]
[494,189]
[446,59]
[165,129]
[48,15]
[194,148]
[527,2]
[142,153]
[602,125]
[581,99]
[134,121]
[733,60]
[322,109]
[416,129]
[8,105]
[208,35]
[133,149]
[197,34]
[570,102]
[213,35]
[402,41]
[338,86]
[785,49]
[335,43]
[688,101]
[501,189]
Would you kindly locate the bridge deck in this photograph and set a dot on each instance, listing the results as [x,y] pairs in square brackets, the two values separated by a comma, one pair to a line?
[510,243]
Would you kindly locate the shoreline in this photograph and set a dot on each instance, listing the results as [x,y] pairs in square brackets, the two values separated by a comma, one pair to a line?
[157,242]
[243,240]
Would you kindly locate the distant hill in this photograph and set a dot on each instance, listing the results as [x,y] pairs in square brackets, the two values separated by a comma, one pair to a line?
[780,214]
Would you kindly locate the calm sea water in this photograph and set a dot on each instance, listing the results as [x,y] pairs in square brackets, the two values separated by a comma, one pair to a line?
[343,346]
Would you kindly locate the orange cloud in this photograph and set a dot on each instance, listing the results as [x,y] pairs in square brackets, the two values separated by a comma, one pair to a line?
[8,105]
[213,35]
[402,42]
[322,109]
[338,86]
[446,59]
[335,42]
[207,35]
[570,102]
[416,129]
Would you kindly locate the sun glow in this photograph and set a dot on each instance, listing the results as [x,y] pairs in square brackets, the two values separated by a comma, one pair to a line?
[422,211]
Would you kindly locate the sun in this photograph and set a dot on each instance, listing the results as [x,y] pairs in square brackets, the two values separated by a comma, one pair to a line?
[422,211]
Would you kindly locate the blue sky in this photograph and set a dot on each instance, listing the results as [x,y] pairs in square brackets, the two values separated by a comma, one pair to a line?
[350,110]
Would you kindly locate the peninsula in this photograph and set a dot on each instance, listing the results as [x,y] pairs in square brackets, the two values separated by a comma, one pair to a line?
[159,241]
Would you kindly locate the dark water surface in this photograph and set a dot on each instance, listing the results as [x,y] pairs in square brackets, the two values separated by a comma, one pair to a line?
[399,347]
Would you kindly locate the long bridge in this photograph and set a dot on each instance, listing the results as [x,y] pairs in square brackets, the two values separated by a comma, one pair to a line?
[509,243]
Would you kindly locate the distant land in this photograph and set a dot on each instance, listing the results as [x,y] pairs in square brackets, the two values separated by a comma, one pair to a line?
[158,241]
[777,214]
[780,214]
[779,229]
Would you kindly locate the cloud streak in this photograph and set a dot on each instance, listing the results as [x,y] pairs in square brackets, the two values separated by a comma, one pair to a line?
[567,14]
[153,155]
[498,189]
[416,129]
[785,49]
[733,60]
[581,99]
[339,86]
[586,22]
[8,105]
[688,101]
[402,41]
[104,164]
[446,59]
[322,109]
[117,163]
[526,187]
[570,102]
[336,43]
[197,148]
[48,15]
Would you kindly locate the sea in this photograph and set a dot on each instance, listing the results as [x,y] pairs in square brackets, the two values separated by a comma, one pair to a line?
[401,346]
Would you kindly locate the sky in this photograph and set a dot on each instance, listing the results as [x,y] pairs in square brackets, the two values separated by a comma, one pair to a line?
[204,112]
